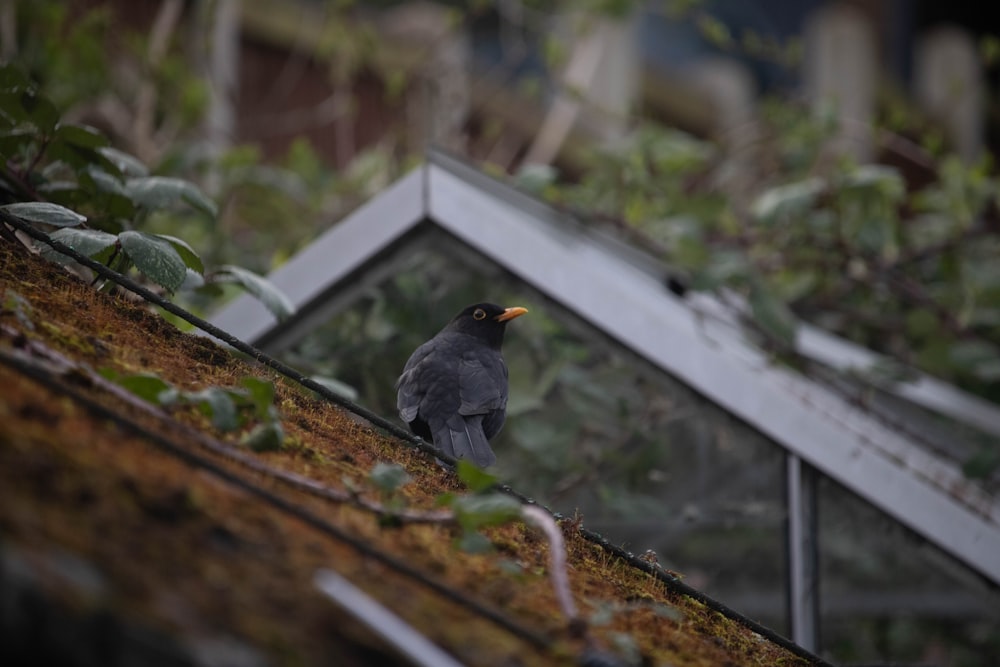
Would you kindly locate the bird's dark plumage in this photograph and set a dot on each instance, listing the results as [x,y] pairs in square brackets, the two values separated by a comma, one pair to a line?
[453,389]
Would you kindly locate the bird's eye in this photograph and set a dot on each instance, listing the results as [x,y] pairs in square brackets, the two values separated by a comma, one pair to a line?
[479,314]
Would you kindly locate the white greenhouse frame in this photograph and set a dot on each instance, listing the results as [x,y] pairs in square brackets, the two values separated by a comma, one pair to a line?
[622,292]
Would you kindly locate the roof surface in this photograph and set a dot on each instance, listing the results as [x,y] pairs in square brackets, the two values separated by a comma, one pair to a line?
[135,530]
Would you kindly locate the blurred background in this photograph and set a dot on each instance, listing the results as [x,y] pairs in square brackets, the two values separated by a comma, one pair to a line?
[834,162]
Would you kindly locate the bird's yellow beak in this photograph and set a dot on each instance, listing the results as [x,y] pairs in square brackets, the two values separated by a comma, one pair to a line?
[510,314]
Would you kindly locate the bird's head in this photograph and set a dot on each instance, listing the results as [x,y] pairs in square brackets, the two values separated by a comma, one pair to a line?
[486,321]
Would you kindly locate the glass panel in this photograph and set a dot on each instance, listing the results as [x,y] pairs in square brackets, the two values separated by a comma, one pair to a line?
[887,595]
[592,429]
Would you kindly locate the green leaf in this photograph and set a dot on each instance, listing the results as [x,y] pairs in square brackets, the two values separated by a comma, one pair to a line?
[475,511]
[258,286]
[772,315]
[389,477]
[89,242]
[163,192]
[81,135]
[14,142]
[40,110]
[722,268]
[472,542]
[45,213]
[105,182]
[787,200]
[474,477]
[534,178]
[191,259]
[148,387]
[129,165]
[217,403]
[266,437]
[886,180]
[260,391]
[155,257]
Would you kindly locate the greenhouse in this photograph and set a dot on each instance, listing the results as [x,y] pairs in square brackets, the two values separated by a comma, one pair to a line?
[805,495]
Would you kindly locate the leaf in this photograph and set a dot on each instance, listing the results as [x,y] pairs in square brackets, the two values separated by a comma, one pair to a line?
[105,182]
[13,142]
[475,511]
[155,257]
[40,110]
[81,135]
[787,200]
[258,286]
[88,242]
[150,388]
[534,178]
[260,391]
[162,192]
[722,268]
[266,437]
[474,477]
[218,405]
[472,542]
[886,180]
[772,314]
[389,477]
[129,165]
[191,259]
[45,213]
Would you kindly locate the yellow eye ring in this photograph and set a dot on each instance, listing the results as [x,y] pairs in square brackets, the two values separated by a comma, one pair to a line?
[479,314]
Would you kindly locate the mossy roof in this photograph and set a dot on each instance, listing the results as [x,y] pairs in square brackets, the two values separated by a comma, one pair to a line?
[136,521]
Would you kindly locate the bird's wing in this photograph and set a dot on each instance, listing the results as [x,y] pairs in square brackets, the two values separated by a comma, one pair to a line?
[410,389]
[482,383]
[462,437]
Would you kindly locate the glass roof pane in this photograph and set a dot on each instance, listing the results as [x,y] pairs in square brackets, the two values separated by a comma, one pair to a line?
[887,595]
[647,462]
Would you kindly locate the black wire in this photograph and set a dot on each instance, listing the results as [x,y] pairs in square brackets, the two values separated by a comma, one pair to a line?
[50,381]
[258,355]
[261,357]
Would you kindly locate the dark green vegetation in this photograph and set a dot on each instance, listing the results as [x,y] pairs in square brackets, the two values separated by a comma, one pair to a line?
[899,256]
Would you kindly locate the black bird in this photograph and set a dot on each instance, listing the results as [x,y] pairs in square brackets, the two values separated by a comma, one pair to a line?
[453,389]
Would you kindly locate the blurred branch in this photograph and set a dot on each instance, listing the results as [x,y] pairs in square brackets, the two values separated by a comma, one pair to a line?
[8,29]
[166,21]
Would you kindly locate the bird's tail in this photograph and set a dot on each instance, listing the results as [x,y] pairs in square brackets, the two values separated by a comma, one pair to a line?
[463,438]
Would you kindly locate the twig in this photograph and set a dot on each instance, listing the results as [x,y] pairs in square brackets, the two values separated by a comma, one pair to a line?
[541,519]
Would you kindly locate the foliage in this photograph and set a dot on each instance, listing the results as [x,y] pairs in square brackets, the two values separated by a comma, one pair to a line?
[228,408]
[907,271]
[66,176]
